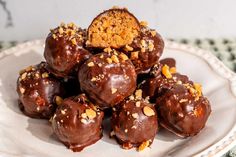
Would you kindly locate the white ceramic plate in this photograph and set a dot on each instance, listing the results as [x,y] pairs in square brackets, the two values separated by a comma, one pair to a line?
[26,137]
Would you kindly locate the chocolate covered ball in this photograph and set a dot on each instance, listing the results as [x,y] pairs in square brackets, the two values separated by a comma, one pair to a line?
[145,50]
[64,50]
[108,78]
[113,28]
[160,78]
[134,123]
[77,123]
[183,109]
[38,91]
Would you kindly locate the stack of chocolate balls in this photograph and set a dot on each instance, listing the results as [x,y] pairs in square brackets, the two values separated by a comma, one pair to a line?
[114,64]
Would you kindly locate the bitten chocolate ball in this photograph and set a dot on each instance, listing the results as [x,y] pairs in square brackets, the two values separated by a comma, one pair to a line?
[64,50]
[113,28]
[108,78]
[134,122]
[77,123]
[183,110]
[145,50]
[38,91]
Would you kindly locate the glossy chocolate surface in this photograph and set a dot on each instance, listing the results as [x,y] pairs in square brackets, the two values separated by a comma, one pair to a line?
[37,90]
[181,112]
[146,49]
[77,123]
[64,50]
[131,125]
[108,78]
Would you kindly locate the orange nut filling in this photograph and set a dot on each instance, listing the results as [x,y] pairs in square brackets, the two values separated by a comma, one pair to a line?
[113,28]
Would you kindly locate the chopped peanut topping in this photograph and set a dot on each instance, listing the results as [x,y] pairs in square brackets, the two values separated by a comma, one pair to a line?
[22,90]
[134,55]
[108,50]
[137,104]
[143,145]
[84,121]
[45,75]
[113,90]
[23,76]
[128,48]
[173,70]
[123,57]
[90,113]
[60,30]
[144,23]
[198,88]
[115,58]
[84,115]
[150,46]
[135,115]
[148,111]
[153,33]
[73,41]
[109,60]
[59,100]
[93,79]
[138,94]
[166,71]
[90,64]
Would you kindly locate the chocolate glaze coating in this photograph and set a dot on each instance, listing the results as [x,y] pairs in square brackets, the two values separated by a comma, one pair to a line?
[37,89]
[64,50]
[77,123]
[146,49]
[181,113]
[131,126]
[108,78]
[156,83]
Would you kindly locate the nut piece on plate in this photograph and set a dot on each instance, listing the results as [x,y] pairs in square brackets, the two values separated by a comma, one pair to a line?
[134,123]
[77,123]
[37,90]
[114,28]
[64,50]
[108,78]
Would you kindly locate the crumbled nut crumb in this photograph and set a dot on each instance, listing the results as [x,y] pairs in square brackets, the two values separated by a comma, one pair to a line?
[101,56]
[54,36]
[115,59]
[90,113]
[137,104]
[63,112]
[109,60]
[22,90]
[84,115]
[134,55]
[131,97]
[143,146]
[150,46]
[108,50]
[23,76]
[60,30]
[198,88]
[138,94]
[38,108]
[135,115]
[73,41]
[148,111]
[123,57]
[90,64]
[113,90]
[58,100]
[153,33]
[128,48]
[84,121]
[126,130]
[183,100]
[173,70]
[100,64]
[144,23]
[166,71]
[45,75]
[93,79]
